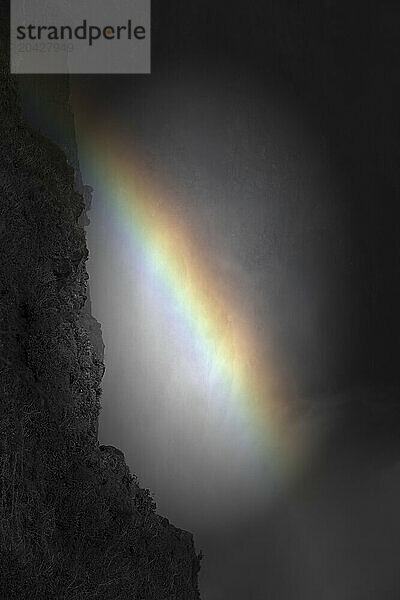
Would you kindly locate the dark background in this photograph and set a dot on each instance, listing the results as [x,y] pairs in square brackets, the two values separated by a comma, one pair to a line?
[332,70]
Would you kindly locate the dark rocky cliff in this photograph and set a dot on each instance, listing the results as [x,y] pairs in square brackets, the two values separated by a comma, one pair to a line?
[74,523]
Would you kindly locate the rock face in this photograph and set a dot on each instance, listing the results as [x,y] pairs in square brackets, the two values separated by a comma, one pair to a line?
[74,523]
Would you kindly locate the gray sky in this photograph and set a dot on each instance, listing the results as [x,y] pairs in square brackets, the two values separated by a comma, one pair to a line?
[247,179]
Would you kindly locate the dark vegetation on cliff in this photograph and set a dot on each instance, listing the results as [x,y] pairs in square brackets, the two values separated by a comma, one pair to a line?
[74,523]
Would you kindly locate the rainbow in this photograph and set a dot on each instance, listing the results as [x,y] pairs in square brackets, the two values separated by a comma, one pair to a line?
[152,227]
